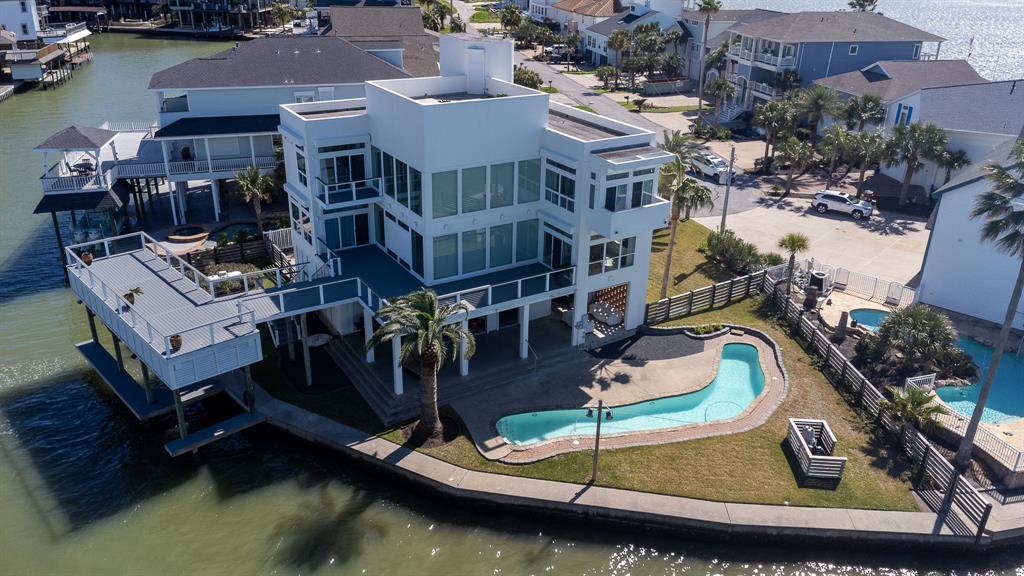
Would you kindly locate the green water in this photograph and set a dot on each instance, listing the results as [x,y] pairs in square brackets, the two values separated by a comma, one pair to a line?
[84,489]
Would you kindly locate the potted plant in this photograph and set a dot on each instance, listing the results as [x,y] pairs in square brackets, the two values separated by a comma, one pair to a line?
[130,295]
[175,341]
[87,258]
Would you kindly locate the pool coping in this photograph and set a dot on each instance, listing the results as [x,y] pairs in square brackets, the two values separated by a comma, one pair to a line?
[755,414]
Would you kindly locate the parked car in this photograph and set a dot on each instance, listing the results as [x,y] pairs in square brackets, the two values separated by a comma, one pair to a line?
[555,50]
[710,166]
[842,202]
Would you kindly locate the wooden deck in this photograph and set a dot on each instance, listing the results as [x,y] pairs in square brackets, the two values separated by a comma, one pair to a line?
[213,433]
[126,388]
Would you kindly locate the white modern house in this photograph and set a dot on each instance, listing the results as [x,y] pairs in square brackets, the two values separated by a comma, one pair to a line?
[529,212]
[961,272]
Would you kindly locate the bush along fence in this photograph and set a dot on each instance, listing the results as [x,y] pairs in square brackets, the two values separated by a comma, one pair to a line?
[964,510]
[246,251]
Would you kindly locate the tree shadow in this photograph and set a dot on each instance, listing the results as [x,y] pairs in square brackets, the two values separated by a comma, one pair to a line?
[801,480]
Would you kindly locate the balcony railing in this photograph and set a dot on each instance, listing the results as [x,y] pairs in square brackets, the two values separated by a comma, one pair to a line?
[774,60]
[61,30]
[177,168]
[766,89]
[345,192]
[73,183]
[492,294]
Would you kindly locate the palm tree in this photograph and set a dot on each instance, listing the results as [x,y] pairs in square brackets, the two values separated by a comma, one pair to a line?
[721,90]
[680,143]
[866,150]
[911,145]
[707,8]
[511,17]
[1002,208]
[863,5]
[864,110]
[834,144]
[814,103]
[685,194]
[914,406]
[776,118]
[951,160]
[793,243]
[433,333]
[919,332]
[619,42]
[255,188]
[674,37]
[798,155]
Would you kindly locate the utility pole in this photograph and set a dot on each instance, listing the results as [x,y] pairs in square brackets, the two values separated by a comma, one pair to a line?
[597,441]
[728,185]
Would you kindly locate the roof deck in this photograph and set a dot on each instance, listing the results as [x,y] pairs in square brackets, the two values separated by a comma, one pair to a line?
[580,128]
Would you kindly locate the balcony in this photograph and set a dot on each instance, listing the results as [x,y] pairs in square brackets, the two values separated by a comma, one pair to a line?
[626,220]
[131,169]
[341,194]
[775,61]
[174,104]
[76,173]
[766,90]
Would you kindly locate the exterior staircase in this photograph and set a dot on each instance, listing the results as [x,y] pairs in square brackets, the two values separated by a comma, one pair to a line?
[729,112]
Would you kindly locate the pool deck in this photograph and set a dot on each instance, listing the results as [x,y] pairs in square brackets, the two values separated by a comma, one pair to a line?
[659,364]
[843,302]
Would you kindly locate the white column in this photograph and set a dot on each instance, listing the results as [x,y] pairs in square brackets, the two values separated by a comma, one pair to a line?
[252,150]
[368,332]
[170,186]
[172,192]
[396,365]
[305,349]
[209,160]
[463,361]
[524,331]
[181,189]
[215,190]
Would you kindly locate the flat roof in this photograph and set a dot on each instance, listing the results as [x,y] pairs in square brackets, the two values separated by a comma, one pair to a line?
[633,154]
[576,127]
[336,113]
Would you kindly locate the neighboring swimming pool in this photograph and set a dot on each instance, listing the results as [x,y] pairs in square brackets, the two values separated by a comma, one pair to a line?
[1005,400]
[869,318]
[231,232]
[738,382]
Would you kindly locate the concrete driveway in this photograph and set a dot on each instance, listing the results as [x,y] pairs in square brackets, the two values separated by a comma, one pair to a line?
[889,246]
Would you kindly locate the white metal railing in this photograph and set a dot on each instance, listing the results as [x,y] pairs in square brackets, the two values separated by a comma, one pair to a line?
[925,382]
[62,30]
[188,167]
[485,295]
[140,169]
[872,288]
[999,449]
[146,126]
[344,192]
[69,183]
[626,203]
[766,89]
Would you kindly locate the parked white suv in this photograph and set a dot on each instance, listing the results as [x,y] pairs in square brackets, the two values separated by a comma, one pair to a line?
[841,202]
[710,166]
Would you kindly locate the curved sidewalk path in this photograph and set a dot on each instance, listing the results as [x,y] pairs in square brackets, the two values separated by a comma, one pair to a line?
[625,506]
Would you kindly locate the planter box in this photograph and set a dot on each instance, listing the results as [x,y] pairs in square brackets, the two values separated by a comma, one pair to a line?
[725,330]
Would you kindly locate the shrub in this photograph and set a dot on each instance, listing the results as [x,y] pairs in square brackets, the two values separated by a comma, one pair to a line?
[230,286]
[773,259]
[955,363]
[730,251]
[723,133]
[702,329]
[526,77]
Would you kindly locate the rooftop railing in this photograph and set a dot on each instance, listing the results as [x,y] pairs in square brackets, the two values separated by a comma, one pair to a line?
[345,192]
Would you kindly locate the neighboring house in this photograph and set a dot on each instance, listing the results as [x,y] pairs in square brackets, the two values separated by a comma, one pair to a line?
[540,224]
[718,31]
[21,18]
[814,45]
[975,118]
[595,38]
[210,16]
[961,272]
[392,33]
[578,15]
[217,115]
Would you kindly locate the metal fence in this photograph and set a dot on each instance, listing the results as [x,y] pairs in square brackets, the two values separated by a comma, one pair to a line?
[871,288]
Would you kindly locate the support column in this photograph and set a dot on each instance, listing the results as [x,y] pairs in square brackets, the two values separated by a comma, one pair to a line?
[117,351]
[181,190]
[524,331]
[145,382]
[463,361]
[60,246]
[215,190]
[396,365]
[305,350]
[250,391]
[179,408]
[92,325]
[290,334]
[368,332]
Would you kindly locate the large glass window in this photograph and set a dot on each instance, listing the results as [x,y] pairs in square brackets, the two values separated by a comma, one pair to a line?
[401,183]
[415,191]
[529,181]
[378,218]
[526,239]
[643,193]
[615,198]
[300,164]
[503,178]
[347,231]
[474,184]
[501,245]
[560,190]
[446,255]
[474,250]
[445,193]
[611,255]
[375,161]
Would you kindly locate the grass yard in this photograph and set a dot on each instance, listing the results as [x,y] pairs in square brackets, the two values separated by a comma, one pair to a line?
[748,467]
[690,269]
[549,89]
[648,107]
[485,16]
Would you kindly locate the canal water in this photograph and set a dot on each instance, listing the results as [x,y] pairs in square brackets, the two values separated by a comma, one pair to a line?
[84,489]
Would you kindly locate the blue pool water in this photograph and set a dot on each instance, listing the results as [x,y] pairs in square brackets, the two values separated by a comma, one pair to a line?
[869,318]
[1006,399]
[738,382]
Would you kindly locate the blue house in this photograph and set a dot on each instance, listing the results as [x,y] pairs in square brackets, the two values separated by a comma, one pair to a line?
[812,45]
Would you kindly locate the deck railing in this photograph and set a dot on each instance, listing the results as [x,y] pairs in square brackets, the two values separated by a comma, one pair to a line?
[72,183]
[345,192]
[492,294]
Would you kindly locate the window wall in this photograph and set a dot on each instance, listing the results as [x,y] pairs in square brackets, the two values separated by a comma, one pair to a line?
[560,185]
[627,190]
[474,251]
[399,180]
[347,231]
[611,255]
[484,187]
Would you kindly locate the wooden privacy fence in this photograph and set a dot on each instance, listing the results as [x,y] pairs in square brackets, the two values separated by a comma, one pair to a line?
[247,251]
[706,298]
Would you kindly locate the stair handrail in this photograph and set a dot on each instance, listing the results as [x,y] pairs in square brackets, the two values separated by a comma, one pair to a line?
[536,358]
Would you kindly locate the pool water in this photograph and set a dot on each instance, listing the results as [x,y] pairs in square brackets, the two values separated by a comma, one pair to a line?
[738,382]
[1005,400]
[869,318]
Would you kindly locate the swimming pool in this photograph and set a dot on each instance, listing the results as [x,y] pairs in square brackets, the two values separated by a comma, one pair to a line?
[231,233]
[1005,400]
[869,318]
[738,382]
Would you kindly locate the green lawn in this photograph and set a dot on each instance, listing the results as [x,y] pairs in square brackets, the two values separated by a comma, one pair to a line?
[690,269]
[585,108]
[748,467]
[631,106]
[485,16]
[549,89]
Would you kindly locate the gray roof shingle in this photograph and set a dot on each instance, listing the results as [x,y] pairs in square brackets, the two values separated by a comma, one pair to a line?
[376,21]
[990,107]
[279,61]
[619,21]
[893,79]
[78,138]
[740,17]
[835,27]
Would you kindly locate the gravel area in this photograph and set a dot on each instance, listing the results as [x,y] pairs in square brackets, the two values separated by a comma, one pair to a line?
[650,347]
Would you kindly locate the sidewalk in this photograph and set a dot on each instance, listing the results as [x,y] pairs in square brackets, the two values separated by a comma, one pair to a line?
[615,505]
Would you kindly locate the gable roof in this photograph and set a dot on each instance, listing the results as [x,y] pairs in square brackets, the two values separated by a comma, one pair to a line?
[279,61]
[376,21]
[78,138]
[605,8]
[621,21]
[978,168]
[893,79]
[835,27]
[990,107]
[739,18]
